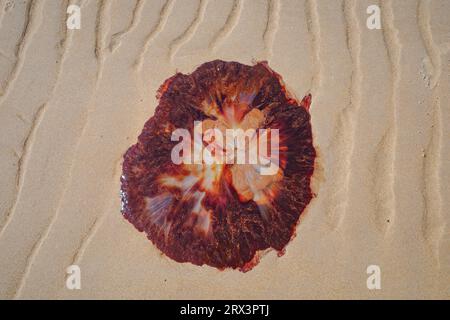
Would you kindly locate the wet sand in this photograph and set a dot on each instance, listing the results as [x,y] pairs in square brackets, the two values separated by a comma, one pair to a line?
[73,101]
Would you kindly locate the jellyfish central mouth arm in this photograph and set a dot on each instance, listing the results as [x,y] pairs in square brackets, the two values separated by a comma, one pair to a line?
[215,142]
[243,153]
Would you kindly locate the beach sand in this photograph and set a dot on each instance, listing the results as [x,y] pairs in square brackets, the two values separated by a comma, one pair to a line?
[73,101]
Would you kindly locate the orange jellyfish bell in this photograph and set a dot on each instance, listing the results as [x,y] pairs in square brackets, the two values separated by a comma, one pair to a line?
[223,214]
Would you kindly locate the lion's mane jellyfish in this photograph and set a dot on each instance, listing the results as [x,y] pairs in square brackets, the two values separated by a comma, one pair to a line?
[222,214]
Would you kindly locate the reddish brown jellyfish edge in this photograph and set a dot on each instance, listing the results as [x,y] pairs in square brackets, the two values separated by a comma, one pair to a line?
[221,215]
